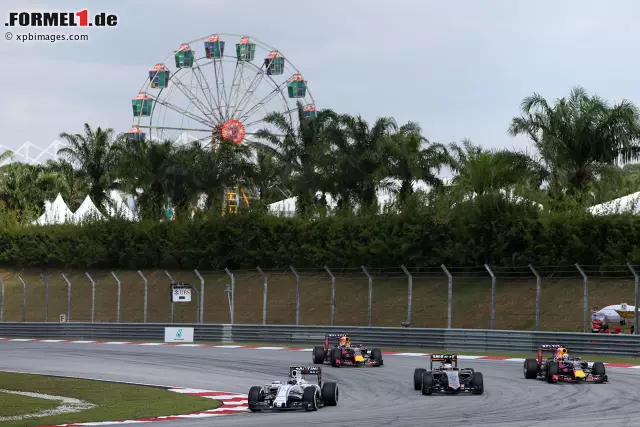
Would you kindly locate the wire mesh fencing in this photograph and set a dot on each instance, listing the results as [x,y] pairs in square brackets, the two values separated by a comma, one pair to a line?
[545,298]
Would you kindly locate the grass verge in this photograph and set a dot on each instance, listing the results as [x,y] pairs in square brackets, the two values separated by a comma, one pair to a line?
[15,404]
[115,401]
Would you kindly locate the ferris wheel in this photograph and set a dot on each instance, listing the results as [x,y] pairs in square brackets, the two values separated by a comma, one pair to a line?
[218,94]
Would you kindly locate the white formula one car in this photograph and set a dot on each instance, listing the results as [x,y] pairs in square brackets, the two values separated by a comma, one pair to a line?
[295,394]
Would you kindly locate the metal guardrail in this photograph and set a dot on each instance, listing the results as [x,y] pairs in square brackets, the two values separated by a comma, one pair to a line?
[454,340]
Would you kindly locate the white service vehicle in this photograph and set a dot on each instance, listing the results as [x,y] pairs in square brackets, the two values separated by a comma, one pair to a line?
[295,393]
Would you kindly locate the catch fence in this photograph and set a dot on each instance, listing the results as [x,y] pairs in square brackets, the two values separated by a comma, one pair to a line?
[536,298]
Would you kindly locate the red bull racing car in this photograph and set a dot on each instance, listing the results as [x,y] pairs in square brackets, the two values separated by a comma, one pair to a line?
[338,351]
[561,367]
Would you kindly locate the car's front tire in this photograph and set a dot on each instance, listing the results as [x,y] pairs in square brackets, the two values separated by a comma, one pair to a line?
[336,356]
[417,378]
[310,397]
[253,398]
[552,369]
[427,383]
[477,383]
[376,355]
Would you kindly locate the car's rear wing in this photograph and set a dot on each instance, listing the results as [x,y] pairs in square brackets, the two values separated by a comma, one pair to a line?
[542,348]
[550,347]
[443,357]
[453,358]
[333,339]
[306,370]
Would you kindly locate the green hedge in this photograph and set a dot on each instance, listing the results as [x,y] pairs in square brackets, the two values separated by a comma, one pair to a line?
[484,231]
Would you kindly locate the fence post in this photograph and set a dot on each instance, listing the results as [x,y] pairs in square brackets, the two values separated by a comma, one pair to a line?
[493,296]
[636,298]
[538,291]
[68,297]
[333,293]
[264,296]
[409,293]
[370,292]
[93,297]
[172,281]
[585,297]
[46,297]
[118,297]
[146,286]
[201,299]
[2,301]
[297,294]
[449,295]
[232,307]
[24,299]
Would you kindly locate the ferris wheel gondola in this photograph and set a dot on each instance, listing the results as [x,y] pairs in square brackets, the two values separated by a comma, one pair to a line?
[217,95]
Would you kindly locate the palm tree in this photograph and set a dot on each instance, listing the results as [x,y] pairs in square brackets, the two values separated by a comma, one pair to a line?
[413,158]
[579,135]
[300,151]
[358,158]
[480,171]
[267,176]
[143,165]
[94,155]
[64,179]
[215,171]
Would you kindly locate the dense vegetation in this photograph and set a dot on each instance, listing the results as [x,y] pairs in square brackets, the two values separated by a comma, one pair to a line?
[501,206]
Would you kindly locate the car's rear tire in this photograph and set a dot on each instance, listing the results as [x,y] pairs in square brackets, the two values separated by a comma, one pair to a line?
[376,355]
[427,383]
[531,369]
[477,383]
[253,398]
[417,378]
[310,397]
[336,355]
[318,355]
[330,394]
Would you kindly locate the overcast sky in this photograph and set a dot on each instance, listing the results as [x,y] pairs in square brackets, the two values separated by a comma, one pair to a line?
[459,68]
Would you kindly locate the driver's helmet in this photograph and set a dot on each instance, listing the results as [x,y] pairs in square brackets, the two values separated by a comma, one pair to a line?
[565,357]
[345,341]
[561,353]
[447,366]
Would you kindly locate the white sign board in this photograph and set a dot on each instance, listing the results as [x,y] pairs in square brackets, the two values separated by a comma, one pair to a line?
[181,294]
[63,318]
[178,334]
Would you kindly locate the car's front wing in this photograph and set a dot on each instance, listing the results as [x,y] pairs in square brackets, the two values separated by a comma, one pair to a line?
[296,406]
[588,379]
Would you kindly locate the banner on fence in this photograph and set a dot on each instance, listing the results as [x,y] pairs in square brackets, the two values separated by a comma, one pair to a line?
[178,334]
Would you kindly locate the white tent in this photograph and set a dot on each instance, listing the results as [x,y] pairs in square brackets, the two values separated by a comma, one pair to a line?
[116,206]
[87,211]
[55,213]
[626,204]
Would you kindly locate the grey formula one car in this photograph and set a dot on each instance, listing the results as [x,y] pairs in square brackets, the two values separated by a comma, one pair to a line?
[296,393]
[447,378]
